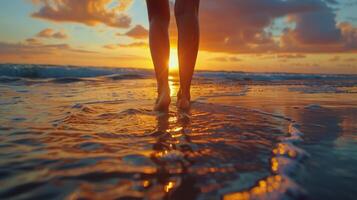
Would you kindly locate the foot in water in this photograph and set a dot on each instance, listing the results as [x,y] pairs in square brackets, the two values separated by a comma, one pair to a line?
[183,100]
[163,100]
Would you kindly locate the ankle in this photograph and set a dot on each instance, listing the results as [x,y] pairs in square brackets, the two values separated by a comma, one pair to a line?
[163,89]
[184,94]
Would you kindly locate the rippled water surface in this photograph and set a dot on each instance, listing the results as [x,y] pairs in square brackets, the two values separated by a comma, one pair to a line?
[78,133]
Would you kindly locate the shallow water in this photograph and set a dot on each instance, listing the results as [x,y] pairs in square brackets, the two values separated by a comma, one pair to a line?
[71,133]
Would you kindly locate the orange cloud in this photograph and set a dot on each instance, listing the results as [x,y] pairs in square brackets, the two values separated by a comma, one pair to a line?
[129,45]
[32,47]
[229,26]
[60,35]
[89,12]
[291,56]
[110,46]
[334,59]
[50,33]
[226,59]
[138,32]
[124,5]
[33,41]
[134,44]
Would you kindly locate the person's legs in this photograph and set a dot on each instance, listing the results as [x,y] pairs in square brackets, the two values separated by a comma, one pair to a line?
[159,18]
[186,12]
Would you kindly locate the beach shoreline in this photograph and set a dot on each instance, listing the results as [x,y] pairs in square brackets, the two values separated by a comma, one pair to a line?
[92,133]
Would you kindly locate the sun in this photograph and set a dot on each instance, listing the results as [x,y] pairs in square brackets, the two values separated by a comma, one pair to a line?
[173,61]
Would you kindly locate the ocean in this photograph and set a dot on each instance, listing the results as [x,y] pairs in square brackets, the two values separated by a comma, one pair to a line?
[71,132]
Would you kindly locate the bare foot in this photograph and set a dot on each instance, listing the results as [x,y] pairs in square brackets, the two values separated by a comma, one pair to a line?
[163,100]
[183,100]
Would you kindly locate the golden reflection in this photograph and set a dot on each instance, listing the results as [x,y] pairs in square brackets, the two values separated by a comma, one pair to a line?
[274,165]
[173,86]
[169,186]
[284,149]
[176,135]
[177,129]
[272,184]
[168,153]
[263,188]
[172,119]
[173,61]
[146,183]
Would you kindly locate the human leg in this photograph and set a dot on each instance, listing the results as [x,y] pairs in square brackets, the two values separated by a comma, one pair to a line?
[186,13]
[159,19]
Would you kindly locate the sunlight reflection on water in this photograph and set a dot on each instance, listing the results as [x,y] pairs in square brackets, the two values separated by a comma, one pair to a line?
[99,139]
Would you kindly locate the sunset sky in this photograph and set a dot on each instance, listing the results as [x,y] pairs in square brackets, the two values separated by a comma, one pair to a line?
[309,36]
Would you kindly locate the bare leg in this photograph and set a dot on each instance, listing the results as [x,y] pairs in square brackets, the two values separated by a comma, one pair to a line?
[159,18]
[186,12]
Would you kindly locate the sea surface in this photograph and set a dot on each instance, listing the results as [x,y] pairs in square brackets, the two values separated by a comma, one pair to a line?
[90,133]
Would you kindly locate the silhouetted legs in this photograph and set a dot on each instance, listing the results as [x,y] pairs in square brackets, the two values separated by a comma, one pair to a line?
[159,19]
[186,13]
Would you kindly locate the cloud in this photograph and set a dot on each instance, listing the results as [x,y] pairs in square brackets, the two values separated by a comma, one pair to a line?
[349,35]
[129,45]
[291,56]
[134,44]
[50,33]
[138,32]
[226,59]
[124,5]
[60,35]
[343,38]
[32,47]
[33,41]
[334,59]
[333,2]
[317,27]
[241,26]
[46,33]
[318,32]
[89,12]
[110,46]
[350,60]
[129,57]
[229,26]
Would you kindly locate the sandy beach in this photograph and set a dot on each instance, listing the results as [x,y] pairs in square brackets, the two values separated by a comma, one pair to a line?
[76,132]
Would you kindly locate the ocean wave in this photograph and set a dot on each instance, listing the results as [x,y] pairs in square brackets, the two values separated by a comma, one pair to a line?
[333,88]
[250,76]
[52,71]
[32,71]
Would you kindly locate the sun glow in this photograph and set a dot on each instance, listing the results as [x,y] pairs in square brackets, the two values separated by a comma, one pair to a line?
[173,62]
